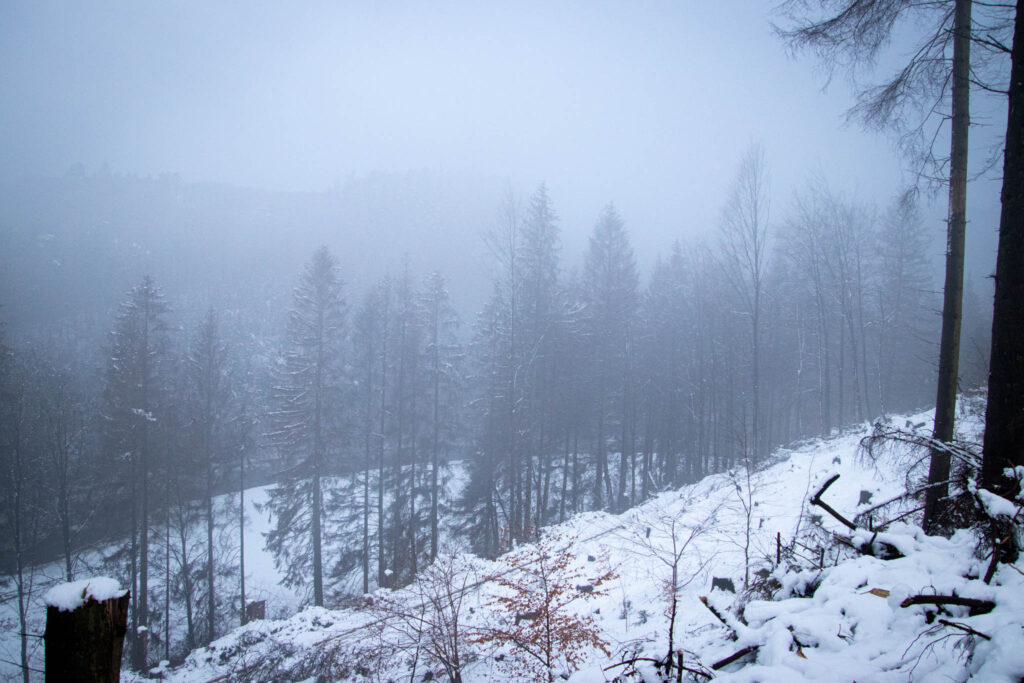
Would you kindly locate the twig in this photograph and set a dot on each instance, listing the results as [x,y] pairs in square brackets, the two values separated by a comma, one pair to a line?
[899,517]
[659,663]
[22,666]
[965,628]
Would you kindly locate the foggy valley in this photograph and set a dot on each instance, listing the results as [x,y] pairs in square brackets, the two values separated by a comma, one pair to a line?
[511,341]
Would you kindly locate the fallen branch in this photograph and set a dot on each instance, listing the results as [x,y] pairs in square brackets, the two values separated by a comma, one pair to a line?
[996,555]
[965,628]
[718,615]
[977,606]
[816,500]
[734,656]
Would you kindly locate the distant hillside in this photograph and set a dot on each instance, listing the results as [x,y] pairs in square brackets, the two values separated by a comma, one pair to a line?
[71,247]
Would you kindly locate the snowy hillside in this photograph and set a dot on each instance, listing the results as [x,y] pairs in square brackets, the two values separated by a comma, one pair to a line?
[611,576]
[263,577]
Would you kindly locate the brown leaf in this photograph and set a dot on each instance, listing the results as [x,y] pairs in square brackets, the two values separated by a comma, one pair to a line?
[880,592]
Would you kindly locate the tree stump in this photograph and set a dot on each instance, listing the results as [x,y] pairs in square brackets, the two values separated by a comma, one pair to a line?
[256,609]
[84,644]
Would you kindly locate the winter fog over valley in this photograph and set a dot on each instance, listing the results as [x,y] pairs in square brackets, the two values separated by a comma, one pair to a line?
[512,341]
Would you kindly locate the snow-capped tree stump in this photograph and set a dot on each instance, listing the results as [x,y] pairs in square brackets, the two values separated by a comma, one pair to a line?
[86,623]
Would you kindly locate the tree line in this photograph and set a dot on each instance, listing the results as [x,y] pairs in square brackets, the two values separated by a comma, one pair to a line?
[575,388]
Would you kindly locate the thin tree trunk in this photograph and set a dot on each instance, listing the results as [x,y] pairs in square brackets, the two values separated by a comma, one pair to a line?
[367,457]
[167,584]
[211,610]
[436,437]
[381,564]
[936,519]
[241,533]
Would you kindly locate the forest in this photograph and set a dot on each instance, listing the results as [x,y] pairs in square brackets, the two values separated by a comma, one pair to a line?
[497,374]
[573,389]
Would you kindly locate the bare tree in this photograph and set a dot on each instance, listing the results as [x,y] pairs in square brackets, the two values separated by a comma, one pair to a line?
[744,248]
[665,537]
[428,615]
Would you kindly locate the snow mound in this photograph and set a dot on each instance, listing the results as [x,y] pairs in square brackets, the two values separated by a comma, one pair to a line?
[68,597]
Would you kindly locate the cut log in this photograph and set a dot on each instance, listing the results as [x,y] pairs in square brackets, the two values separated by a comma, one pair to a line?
[84,645]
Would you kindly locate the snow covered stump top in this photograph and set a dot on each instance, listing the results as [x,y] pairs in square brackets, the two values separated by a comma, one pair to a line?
[85,626]
[70,596]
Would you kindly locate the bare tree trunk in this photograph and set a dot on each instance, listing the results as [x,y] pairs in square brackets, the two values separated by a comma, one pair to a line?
[18,519]
[435,437]
[367,457]
[241,533]
[167,583]
[211,609]
[381,564]
[936,518]
[1004,414]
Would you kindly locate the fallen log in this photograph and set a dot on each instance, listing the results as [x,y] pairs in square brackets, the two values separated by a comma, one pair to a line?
[976,606]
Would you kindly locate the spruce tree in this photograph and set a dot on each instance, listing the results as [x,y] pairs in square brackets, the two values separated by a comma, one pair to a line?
[306,419]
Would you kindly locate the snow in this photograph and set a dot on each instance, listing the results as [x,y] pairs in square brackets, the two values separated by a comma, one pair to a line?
[842,621]
[68,597]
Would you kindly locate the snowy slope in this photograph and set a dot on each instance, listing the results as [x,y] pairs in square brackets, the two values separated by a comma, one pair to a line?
[823,625]
[263,578]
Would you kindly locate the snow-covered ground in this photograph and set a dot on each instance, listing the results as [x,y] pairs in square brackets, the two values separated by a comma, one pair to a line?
[263,578]
[262,581]
[841,623]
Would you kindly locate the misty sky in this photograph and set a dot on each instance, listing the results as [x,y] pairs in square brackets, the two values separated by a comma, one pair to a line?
[648,104]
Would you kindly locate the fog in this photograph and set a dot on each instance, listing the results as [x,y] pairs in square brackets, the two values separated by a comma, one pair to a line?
[436,276]
[649,106]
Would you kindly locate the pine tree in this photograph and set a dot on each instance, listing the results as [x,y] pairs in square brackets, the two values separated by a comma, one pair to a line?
[131,399]
[308,394]
[210,397]
[610,284]
[443,358]
[541,306]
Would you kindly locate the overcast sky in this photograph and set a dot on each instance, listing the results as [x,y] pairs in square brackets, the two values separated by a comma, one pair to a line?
[647,104]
